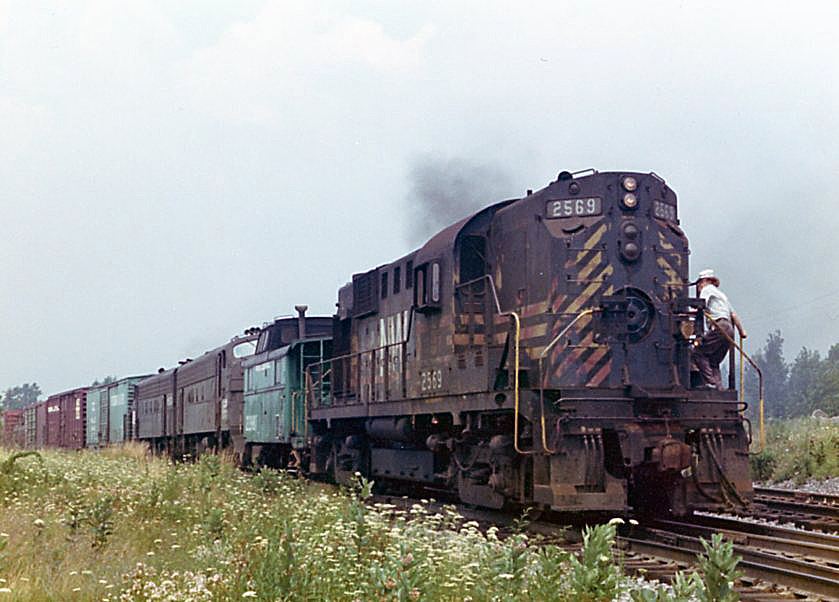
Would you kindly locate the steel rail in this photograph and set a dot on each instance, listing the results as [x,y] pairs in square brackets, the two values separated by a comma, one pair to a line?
[722,523]
[789,572]
[807,497]
[776,539]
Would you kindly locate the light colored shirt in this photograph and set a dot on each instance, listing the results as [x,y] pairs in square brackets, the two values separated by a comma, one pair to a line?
[716,303]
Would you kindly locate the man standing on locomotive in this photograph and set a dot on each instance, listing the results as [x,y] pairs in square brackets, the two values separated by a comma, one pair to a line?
[714,345]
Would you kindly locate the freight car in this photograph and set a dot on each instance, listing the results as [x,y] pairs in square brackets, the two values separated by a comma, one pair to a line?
[64,419]
[198,405]
[111,413]
[535,353]
[13,428]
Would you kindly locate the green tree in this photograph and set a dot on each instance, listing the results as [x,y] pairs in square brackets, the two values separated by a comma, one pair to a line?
[829,382]
[105,381]
[770,359]
[804,387]
[20,396]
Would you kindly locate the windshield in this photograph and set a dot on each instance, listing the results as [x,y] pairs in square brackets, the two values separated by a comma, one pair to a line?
[244,349]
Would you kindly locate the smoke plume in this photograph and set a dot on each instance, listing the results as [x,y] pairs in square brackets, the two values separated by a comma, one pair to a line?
[444,191]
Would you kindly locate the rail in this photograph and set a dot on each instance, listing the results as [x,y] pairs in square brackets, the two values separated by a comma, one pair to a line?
[743,354]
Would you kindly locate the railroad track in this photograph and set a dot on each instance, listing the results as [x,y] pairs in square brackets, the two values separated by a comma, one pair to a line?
[804,509]
[804,562]
[778,563]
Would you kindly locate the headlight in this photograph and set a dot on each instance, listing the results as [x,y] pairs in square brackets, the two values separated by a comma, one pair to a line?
[629,184]
[630,201]
[630,230]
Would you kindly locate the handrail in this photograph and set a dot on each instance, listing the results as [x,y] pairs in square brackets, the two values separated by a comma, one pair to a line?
[492,288]
[310,384]
[743,353]
[542,356]
[742,372]
[516,362]
[517,320]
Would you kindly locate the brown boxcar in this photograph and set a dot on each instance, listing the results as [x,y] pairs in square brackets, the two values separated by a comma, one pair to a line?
[65,419]
[12,428]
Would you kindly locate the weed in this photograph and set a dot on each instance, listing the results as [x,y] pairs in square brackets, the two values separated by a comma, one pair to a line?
[718,566]
[267,481]
[8,465]
[594,575]
[100,519]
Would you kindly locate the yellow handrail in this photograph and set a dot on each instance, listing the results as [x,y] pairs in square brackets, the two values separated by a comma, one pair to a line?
[743,353]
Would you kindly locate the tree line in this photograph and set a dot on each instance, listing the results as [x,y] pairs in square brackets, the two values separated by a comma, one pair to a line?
[808,383]
[18,397]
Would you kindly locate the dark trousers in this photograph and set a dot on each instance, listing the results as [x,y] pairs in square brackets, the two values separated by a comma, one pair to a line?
[711,351]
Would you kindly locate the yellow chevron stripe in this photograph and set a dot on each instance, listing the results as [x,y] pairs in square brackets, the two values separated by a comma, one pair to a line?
[595,238]
[589,291]
[595,261]
[665,244]
[672,275]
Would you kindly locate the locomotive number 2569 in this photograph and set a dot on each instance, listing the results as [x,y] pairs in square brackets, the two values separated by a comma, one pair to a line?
[431,380]
[574,207]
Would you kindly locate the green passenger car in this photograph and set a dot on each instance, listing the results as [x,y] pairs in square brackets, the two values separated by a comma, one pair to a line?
[275,424]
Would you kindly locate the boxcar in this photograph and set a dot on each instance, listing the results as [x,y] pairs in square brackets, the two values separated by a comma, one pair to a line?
[111,412]
[122,417]
[13,428]
[97,416]
[65,419]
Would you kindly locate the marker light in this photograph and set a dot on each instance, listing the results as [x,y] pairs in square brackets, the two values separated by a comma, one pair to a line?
[629,184]
[631,251]
[630,201]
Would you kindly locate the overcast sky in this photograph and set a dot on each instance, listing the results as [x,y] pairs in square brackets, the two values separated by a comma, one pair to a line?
[173,172]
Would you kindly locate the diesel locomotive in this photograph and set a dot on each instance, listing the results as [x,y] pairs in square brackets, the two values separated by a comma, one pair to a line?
[535,353]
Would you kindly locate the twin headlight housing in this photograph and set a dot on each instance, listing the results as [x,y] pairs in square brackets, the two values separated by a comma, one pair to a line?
[630,185]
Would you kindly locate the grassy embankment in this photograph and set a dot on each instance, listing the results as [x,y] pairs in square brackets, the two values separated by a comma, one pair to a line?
[118,525]
[799,449]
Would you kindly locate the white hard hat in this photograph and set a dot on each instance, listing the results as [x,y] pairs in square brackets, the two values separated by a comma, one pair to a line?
[707,274]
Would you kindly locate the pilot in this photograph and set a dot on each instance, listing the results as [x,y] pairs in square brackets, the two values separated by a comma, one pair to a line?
[714,345]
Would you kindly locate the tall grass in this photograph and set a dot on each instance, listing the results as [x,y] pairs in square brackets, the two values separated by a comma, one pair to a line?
[798,449]
[122,525]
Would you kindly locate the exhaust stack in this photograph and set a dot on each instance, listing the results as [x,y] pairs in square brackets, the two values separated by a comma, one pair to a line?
[301,320]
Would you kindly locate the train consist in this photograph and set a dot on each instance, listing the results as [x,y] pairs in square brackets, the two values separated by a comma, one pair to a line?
[536,353]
